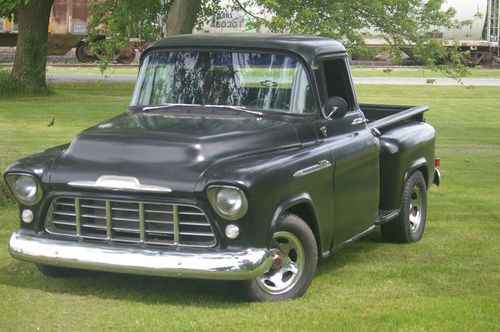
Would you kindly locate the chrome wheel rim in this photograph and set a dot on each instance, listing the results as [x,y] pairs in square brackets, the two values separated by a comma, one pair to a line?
[415,208]
[287,265]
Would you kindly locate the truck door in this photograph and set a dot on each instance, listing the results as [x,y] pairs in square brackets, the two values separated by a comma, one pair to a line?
[355,151]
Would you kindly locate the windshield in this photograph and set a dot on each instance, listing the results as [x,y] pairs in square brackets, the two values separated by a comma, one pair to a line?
[253,80]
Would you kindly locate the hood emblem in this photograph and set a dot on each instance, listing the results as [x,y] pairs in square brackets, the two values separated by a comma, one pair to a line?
[119,183]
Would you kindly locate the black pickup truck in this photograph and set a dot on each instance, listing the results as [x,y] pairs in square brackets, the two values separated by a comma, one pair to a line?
[241,157]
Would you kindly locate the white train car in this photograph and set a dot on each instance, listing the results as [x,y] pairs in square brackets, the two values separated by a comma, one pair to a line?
[481,38]
[484,16]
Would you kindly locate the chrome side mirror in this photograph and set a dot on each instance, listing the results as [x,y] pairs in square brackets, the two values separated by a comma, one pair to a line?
[335,107]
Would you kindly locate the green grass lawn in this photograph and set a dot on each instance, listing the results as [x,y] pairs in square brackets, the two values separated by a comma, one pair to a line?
[449,281]
[417,72]
[91,70]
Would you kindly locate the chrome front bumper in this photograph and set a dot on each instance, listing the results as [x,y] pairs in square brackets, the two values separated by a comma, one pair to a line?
[437,177]
[225,265]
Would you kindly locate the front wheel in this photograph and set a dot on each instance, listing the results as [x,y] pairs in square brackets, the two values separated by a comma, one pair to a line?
[295,256]
[409,226]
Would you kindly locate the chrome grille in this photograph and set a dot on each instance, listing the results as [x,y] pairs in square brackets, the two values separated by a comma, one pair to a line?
[130,221]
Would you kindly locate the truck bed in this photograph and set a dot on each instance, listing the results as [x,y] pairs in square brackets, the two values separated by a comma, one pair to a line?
[381,116]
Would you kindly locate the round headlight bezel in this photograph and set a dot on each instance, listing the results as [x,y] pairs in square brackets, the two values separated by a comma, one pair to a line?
[13,182]
[213,193]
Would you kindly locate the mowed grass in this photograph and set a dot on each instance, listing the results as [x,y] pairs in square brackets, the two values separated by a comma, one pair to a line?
[92,70]
[449,281]
[360,71]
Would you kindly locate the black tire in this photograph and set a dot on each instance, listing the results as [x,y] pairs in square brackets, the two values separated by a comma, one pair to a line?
[126,56]
[410,224]
[83,53]
[294,249]
[57,271]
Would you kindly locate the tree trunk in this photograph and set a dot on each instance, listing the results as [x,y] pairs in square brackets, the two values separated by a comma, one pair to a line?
[182,17]
[30,61]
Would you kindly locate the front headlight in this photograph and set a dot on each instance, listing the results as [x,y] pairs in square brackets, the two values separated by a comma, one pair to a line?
[229,202]
[25,187]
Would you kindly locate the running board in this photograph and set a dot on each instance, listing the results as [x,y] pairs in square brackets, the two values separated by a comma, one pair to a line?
[351,240]
[384,216]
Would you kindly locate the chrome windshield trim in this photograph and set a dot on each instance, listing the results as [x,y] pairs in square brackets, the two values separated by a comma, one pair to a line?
[314,168]
[243,264]
[119,183]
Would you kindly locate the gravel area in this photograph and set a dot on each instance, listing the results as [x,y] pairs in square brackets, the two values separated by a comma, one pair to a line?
[7,56]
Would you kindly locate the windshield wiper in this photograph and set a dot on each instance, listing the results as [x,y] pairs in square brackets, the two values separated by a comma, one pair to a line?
[149,108]
[236,108]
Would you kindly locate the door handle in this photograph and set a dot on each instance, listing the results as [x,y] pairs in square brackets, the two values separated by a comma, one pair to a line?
[359,121]
[376,132]
[322,164]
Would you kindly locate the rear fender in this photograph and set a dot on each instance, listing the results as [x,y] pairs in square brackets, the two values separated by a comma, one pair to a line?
[421,164]
[404,149]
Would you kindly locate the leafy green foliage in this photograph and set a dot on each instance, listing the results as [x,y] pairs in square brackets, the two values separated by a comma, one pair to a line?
[125,19]
[121,20]
[8,7]
[402,23]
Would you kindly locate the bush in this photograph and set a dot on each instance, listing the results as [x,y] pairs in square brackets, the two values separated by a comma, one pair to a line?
[5,195]
[8,88]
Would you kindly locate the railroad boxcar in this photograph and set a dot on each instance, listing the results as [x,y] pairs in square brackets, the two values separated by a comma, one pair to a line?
[68,27]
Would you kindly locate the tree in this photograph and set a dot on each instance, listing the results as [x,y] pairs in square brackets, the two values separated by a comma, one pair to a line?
[32,16]
[182,17]
[120,20]
[402,23]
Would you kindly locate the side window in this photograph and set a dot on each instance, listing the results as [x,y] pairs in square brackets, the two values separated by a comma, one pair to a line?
[301,98]
[337,81]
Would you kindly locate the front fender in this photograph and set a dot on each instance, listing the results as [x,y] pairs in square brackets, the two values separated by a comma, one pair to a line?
[302,205]
[271,188]
[288,203]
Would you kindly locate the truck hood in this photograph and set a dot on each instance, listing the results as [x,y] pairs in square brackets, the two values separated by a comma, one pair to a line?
[167,149]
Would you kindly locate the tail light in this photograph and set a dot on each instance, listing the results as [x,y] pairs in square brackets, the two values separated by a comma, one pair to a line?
[437,162]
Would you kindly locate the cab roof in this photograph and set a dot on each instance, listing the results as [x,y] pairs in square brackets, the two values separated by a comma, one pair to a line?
[306,47]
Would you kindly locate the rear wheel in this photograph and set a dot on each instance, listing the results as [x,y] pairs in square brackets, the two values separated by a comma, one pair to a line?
[410,224]
[295,256]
